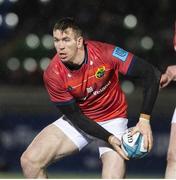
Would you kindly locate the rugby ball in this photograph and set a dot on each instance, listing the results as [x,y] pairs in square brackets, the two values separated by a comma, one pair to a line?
[133,146]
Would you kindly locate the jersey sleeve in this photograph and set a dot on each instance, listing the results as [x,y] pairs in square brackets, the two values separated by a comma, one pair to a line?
[120,58]
[56,90]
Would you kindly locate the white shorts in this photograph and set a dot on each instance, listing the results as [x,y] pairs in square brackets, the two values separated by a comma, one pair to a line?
[81,139]
[174,117]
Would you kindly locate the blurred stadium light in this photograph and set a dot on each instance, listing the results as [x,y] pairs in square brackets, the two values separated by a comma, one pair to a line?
[30,64]
[130,21]
[32,41]
[44,63]
[127,86]
[13,64]
[1,1]
[47,41]
[11,19]
[147,43]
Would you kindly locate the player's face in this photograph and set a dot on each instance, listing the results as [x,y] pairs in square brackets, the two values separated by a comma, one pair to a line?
[67,44]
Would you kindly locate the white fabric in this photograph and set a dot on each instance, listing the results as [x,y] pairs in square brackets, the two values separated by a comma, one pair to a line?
[174,117]
[80,139]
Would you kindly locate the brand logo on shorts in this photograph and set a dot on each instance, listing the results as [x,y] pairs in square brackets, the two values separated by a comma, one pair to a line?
[100,72]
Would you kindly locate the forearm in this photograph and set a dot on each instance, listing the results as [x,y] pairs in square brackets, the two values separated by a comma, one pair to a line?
[90,127]
[79,120]
[151,87]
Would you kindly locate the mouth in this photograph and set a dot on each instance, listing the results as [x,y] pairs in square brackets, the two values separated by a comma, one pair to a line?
[63,55]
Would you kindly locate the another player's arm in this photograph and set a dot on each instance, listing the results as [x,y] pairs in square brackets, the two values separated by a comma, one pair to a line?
[150,77]
[170,74]
[74,114]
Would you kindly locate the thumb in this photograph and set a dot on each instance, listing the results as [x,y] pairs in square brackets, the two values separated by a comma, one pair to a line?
[115,143]
[120,151]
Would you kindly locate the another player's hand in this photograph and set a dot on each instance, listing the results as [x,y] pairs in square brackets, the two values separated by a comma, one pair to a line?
[115,143]
[164,81]
[143,126]
[168,76]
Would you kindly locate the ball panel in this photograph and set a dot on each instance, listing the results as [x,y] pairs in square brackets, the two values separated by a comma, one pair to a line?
[133,146]
[129,151]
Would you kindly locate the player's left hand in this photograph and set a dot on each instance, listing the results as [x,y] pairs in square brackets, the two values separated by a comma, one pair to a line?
[115,143]
[143,126]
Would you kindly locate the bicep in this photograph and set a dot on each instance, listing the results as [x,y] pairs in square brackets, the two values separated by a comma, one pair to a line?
[140,68]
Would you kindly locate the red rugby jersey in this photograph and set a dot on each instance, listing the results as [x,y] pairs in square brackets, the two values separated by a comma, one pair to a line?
[95,86]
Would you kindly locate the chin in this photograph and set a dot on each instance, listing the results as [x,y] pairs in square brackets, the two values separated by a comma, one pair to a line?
[65,60]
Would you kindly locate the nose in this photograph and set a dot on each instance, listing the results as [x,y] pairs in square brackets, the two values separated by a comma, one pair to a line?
[61,45]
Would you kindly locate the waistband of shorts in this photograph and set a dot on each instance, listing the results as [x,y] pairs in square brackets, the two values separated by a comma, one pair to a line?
[111,120]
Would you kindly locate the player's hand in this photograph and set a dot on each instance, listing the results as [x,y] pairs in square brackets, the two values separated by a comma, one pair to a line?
[171,72]
[168,76]
[164,81]
[115,143]
[143,126]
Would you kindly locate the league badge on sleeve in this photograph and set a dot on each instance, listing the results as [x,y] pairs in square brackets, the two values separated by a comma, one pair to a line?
[120,53]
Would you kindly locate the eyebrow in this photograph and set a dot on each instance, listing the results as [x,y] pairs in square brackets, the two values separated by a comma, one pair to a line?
[63,39]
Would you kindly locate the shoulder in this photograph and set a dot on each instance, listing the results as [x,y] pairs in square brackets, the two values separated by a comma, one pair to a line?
[98,44]
[101,48]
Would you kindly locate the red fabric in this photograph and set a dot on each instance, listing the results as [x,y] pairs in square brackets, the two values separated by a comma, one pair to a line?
[95,86]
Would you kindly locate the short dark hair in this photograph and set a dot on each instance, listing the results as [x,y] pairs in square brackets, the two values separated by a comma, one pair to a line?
[68,22]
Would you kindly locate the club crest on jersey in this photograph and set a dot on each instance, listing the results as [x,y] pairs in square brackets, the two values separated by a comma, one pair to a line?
[120,53]
[100,72]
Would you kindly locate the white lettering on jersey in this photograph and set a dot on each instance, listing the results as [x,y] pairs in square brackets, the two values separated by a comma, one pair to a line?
[102,89]
[89,90]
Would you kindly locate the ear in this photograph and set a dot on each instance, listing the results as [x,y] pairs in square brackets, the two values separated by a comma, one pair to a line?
[79,41]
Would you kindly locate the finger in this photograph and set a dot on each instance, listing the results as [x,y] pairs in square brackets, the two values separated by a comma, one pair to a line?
[146,143]
[150,142]
[120,151]
[134,131]
[163,79]
[114,140]
[164,84]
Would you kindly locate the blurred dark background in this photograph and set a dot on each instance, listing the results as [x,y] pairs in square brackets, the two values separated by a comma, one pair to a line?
[144,28]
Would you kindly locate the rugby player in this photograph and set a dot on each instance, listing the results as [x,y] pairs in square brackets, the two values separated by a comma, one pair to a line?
[82,80]
[166,78]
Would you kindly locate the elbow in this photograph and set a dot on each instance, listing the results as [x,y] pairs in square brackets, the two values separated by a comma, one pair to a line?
[153,75]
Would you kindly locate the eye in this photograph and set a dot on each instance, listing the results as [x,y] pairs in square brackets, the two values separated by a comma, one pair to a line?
[55,40]
[66,39]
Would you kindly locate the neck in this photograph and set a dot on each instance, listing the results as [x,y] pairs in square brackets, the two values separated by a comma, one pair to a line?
[77,62]
[79,58]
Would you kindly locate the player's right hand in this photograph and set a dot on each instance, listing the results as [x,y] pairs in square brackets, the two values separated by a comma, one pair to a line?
[143,126]
[115,143]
